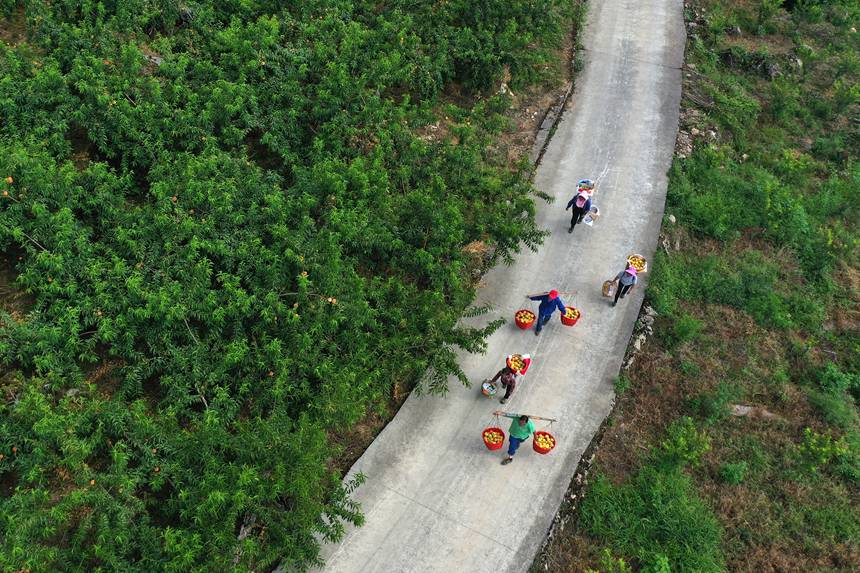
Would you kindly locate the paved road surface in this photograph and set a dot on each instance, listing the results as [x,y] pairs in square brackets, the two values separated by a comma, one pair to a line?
[436,499]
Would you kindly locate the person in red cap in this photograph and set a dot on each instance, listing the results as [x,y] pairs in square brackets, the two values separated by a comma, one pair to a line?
[626,280]
[549,302]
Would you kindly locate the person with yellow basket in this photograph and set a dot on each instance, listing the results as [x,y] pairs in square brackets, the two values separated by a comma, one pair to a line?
[626,280]
[515,365]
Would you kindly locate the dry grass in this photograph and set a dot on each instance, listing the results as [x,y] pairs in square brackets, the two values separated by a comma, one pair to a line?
[774,44]
[105,376]
[846,317]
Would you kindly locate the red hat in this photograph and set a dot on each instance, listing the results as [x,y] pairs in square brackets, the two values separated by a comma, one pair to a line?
[553,294]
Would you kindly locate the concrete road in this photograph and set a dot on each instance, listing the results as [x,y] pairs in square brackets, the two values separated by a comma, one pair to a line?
[436,499]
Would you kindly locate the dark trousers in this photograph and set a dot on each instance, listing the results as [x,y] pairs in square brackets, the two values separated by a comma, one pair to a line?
[576,216]
[621,290]
[541,320]
[509,389]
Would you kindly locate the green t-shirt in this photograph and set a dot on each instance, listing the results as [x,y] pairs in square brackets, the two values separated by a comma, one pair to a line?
[521,432]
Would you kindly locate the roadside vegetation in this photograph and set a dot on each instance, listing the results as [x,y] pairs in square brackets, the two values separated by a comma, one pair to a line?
[735,444]
[229,229]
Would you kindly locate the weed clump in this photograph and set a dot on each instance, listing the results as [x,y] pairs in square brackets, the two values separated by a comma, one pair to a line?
[655,516]
[733,473]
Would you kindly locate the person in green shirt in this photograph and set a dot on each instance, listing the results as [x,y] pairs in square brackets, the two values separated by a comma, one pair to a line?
[520,430]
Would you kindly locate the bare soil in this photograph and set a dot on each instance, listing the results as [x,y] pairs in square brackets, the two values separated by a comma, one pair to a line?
[14,28]
[12,300]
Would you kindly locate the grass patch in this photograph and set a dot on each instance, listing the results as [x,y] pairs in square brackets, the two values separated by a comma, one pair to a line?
[836,409]
[733,473]
[655,515]
[714,406]
[622,384]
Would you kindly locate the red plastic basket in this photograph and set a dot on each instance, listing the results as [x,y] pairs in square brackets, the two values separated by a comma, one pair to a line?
[488,433]
[540,449]
[524,323]
[526,360]
[571,321]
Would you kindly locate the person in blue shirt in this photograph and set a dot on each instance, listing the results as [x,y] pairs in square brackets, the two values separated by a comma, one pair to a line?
[581,205]
[549,303]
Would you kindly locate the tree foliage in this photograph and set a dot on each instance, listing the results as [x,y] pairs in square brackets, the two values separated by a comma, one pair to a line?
[237,234]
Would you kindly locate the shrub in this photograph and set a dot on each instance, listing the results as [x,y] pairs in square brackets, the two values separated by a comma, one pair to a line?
[766,10]
[780,376]
[733,473]
[832,379]
[660,564]
[848,465]
[818,450]
[610,564]
[685,444]
[786,100]
[736,109]
[832,147]
[685,328]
